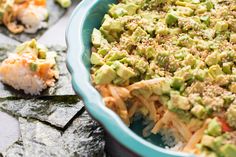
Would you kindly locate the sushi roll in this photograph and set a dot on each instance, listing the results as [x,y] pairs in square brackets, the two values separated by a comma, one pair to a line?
[23,15]
[31,68]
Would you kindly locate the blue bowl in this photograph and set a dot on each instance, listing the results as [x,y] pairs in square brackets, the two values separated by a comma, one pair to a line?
[88,15]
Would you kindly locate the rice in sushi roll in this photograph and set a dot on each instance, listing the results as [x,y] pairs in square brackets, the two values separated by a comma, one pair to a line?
[31,68]
[23,15]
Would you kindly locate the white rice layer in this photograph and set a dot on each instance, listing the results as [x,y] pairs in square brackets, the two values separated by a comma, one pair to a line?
[20,77]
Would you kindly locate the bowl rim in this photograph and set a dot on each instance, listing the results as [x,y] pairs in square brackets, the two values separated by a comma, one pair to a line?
[91,97]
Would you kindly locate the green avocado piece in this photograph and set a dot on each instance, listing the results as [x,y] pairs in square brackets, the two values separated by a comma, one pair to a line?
[212,59]
[179,102]
[200,74]
[221,26]
[117,10]
[207,141]
[228,150]
[33,66]
[185,11]
[214,128]
[96,59]
[161,87]
[190,60]
[227,67]
[205,20]
[171,19]
[233,38]
[123,71]
[96,37]
[209,5]
[177,83]
[104,75]
[231,115]
[138,34]
[215,70]
[199,111]
[232,87]
[114,55]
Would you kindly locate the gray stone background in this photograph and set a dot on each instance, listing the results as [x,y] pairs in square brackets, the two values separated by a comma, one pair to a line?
[55,35]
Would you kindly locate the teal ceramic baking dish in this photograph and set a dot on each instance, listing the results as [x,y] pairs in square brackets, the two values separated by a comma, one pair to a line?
[88,15]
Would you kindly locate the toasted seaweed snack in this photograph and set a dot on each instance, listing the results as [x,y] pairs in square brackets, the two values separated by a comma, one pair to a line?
[32,29]
[83,138]
[56,110]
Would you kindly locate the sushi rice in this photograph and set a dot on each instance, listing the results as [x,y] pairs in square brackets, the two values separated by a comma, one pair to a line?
[31,68]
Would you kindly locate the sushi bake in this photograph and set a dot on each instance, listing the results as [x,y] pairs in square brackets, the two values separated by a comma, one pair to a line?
[31,68]
[23,15]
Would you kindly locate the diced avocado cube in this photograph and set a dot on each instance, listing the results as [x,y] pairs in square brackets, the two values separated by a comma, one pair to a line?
[180,3]
[104,75]
[199,111]
[232,87]
[141,65]
[117,10]
[185,11]
[221,80]
[106,22]
[161,87]
[227,67]
[214,128]
[228,99]
[114,55]
[209,5]
[96,37]
[200,74]
[42,54]
[233,37]
[231,116]
[205,19]
[228,150]
[179,102]
[150,52]
[96,59]
[131,8]
[32,43]
[33,66]
[102,51]
[118,81]
[185,41]
[123,71]
[212,59]
[186,73]
[164,100]
[221,26]
[190,60]
[215,70]
[138,34]
[201,9]
[207,141]
[177,83]
[116,25]
[145,91]
[171,19]
[161,28]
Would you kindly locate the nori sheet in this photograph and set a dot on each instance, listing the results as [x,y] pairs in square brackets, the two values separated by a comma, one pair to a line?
[62,87]
[83,138]
[57,110]
[55,13]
